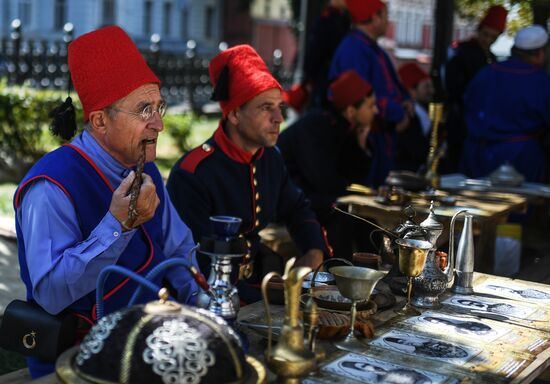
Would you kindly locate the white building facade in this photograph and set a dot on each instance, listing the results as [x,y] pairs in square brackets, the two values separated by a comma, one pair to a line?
[175,21]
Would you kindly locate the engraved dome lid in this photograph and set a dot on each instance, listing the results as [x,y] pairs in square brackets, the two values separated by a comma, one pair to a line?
[159,343]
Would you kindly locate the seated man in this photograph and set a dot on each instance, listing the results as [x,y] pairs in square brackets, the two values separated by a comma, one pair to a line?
[325,151]
[72,206]
[238,172]
[413,143]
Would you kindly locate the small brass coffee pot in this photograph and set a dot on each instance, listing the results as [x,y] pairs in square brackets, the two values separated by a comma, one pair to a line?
[290,359]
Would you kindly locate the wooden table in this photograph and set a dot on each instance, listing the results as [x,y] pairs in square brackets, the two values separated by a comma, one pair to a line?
[513,349]
[488,209]
[507,341]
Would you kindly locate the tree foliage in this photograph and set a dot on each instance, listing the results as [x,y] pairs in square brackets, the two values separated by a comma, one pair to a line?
[24,122]
[524,11]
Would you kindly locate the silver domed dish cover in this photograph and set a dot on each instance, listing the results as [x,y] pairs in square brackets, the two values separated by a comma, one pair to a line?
[507,176]
[146,344]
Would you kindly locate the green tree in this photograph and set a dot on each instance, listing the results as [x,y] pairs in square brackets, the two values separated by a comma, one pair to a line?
[528,11]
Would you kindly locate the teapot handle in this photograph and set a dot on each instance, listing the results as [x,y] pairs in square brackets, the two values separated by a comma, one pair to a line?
[265,280]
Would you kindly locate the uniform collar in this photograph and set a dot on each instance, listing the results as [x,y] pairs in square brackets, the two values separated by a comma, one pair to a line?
[230,149]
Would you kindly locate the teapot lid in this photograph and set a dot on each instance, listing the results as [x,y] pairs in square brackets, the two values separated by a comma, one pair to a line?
[431,221]
[506,174]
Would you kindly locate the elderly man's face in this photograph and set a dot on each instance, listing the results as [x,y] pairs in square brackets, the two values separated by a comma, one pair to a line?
[257,123]
[125,129]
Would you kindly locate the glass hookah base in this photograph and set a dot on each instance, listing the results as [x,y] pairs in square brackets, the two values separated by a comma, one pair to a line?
[408,310]
[351,343]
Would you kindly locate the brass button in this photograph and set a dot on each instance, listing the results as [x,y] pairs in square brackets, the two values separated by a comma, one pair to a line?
[258,209]
[257,195]
[257,223]
[206,147]
[248,243]
[255,182]
[254,169]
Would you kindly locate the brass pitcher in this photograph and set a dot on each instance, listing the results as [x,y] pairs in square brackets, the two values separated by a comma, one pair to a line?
[290,360]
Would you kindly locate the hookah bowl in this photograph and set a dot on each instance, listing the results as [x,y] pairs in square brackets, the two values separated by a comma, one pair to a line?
[222,247]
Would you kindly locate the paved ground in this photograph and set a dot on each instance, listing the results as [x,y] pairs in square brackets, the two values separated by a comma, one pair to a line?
[11,286]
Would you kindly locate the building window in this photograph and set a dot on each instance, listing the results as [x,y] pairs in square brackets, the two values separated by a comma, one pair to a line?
[108,14]
[25,11]
[209,24]
[167,27]
[148,17]
[267,8]
[183,24]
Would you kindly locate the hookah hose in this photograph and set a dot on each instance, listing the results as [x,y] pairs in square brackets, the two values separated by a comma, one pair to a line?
[143,281]
[199,277]
[146,281]
[123,271]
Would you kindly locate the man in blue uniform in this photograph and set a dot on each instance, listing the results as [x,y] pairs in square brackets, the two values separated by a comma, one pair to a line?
[508,111]
[465,60]
[326,150]
[238,172]
[360,51]
[72,206]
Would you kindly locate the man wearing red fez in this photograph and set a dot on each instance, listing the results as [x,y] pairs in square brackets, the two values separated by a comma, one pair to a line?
[72,207]
[465,60]
[238,172]
[326,150]
[360,51]
[413,143]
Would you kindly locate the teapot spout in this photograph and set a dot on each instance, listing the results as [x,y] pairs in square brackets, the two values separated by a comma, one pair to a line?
[449,271]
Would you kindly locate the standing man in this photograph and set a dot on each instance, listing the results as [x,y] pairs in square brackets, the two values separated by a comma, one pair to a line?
[508,111]
[238,172]
[465,60]
[360,51]
[72,206]
[328,31]
[326,150]
[413,143]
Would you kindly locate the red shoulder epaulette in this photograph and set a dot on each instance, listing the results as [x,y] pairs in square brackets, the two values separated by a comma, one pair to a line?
[193,159]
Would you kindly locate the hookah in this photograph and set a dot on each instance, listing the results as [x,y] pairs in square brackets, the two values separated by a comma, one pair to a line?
[218,295]
[222,247]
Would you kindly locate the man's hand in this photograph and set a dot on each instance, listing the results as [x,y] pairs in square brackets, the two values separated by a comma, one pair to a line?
[408,105]
[403,124]
[147,202]
[313,258]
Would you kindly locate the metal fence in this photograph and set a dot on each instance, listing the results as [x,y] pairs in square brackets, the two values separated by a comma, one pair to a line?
[184,76]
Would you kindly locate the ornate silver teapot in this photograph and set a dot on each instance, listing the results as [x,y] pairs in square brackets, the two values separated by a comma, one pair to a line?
[434,280]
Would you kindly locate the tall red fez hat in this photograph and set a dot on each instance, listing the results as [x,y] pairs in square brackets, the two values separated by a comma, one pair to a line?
[411,74]
[106,66]
[348,88]
[361,10]
[296,97]
[238,74]
[495,18]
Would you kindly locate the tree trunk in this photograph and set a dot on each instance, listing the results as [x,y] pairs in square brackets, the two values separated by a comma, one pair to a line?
[541,14]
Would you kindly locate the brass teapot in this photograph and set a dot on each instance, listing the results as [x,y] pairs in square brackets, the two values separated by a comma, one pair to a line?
[291,359]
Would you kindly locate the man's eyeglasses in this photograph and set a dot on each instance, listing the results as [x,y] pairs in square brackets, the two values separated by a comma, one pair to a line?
[146,113]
